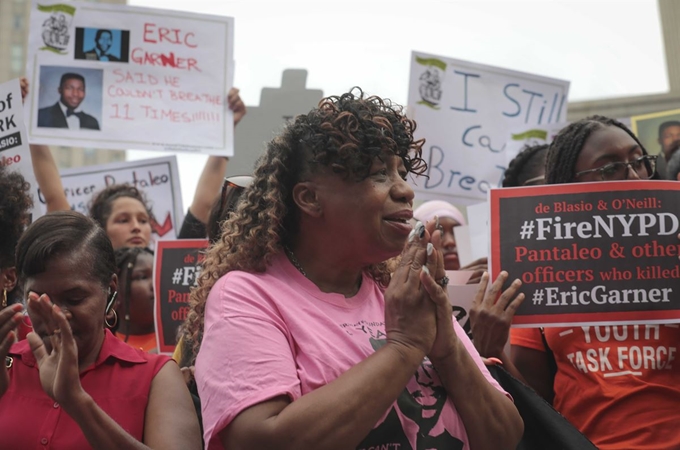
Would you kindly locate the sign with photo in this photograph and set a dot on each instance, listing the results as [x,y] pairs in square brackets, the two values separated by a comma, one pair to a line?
[176,270]
[157,179]
[466,112]
[590,253]
[116,76]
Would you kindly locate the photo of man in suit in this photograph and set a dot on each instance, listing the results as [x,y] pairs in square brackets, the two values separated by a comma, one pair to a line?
[102,45]
[66,113]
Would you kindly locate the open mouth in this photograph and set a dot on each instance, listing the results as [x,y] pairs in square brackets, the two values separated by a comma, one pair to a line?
[404,221]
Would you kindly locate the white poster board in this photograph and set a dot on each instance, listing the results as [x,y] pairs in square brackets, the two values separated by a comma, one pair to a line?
[157,178]
[465,111]
[523,136]
[116,76]
[14,151]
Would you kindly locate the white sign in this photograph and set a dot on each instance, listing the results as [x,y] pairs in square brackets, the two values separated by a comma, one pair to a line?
[465,112]
[157,178]
[115,76]
[14,151]
[523,136]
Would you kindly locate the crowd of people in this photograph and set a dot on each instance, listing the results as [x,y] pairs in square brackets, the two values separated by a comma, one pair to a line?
[321,317]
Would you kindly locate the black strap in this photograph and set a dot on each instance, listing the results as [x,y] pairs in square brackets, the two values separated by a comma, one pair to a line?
[551,356]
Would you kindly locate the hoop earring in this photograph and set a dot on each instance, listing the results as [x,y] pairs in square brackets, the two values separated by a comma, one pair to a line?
[115,319]
[4,298]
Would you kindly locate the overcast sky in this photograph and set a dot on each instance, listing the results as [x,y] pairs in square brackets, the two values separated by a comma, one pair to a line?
[606,48]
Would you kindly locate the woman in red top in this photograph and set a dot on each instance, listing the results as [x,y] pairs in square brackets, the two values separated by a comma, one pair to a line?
[71,384]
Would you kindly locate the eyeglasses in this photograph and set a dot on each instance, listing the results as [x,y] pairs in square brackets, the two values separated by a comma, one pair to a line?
[644,166]
[236,185]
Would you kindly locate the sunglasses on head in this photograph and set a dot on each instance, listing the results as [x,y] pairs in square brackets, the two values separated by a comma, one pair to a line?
[237,183]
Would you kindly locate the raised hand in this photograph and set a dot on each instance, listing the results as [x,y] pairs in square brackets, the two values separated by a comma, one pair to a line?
[491,315]
[58,365]
[409,313]
[9,319]
[236,105]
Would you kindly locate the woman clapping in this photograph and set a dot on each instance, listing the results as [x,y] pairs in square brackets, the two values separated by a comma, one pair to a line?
[305,339]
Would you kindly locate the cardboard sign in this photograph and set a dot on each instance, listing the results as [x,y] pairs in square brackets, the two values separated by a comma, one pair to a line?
[465,111]
[116,76]
[157,178]
[14,150]
[176,270]
[590,253]
[523,136]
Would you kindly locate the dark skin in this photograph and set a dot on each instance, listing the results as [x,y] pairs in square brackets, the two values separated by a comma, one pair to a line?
[67,307]
[417,323]
[605,145]
[141,298]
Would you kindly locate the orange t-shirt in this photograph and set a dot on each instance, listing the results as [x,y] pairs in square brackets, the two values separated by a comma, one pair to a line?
[619,385]
[144,342]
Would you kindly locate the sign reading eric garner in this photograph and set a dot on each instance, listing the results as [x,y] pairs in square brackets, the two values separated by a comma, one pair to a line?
[590,253]
[176,270]
[117,76]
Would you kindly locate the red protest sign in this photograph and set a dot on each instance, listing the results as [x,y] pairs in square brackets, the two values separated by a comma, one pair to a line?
[176,269]
[590,252]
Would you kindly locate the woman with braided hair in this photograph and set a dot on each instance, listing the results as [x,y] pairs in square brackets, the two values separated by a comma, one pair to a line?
[592,374]
[527,168]
[134,306]
[307,341]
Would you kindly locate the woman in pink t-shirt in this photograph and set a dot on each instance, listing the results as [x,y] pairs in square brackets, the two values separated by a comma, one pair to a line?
[306,340]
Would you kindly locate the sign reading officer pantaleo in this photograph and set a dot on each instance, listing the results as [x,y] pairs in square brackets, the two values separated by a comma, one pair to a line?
[157,179]
[14,150]
[117,76]
[590,253]
[466,112]
[176,270]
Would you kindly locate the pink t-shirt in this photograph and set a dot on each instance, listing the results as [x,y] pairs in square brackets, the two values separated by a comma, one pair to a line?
[275,333]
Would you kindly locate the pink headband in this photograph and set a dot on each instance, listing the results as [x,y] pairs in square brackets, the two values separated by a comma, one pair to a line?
[428,210]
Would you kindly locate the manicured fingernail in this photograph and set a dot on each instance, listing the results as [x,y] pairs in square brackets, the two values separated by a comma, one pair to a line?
[436,222]
[420,229]
[430,248]
[411,235]
[426,270]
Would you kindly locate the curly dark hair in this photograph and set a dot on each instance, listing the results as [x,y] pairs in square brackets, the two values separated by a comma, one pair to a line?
[15,201]
[528,164]
[344,133]
[565,149]
[102,201]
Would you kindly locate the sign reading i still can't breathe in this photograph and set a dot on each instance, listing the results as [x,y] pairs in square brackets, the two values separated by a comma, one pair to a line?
[116,76]
[590,253]
[176,270]
[466,112]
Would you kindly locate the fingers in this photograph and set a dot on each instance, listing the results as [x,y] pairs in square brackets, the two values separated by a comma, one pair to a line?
[414,256]
[6,344]
[9,319]
[63,335]
[508,295]
[481,291]
[495,291]
[37,347]
[434,290]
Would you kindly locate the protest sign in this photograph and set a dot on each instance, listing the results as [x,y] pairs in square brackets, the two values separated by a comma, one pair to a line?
[157,178]
[465,111]
[176,270]
[14,150]
[590,253]
[116,76]
[522,136]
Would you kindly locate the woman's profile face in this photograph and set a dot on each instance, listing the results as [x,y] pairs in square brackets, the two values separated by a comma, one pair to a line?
[451,261]
[68,282]
[607,145]
[141,291]
[372,216]
[128,224]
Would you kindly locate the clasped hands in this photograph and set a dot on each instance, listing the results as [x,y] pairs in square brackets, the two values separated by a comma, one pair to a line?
[418,314]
